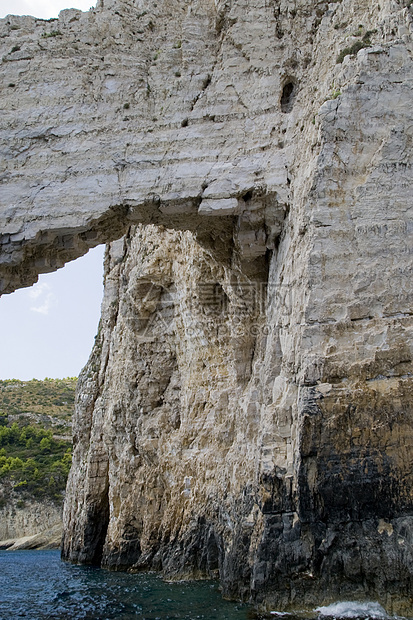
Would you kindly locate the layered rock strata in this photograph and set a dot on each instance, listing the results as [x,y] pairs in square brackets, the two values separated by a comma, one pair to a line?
[199,454]
[246,410]
[30,525]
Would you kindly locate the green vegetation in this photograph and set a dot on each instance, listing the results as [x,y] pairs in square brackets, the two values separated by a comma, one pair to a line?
[53,397]
[53,33]
[334,93]
[352,51]
[358,45]
[33,462]
[35,450]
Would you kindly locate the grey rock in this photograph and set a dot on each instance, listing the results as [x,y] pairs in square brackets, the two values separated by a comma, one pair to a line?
[247,408]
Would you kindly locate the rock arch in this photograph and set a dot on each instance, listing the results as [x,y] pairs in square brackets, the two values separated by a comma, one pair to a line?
[170,115]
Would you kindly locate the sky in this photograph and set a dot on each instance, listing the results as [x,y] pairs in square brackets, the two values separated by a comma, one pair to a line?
[48,330]
[42,8]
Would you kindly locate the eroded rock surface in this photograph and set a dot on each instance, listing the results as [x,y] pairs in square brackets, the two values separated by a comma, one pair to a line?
[30,525]
[247,408]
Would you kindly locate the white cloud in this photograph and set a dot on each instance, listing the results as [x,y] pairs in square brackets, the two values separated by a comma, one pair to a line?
[38,289]
[48,303]
[57,344]
[44,297]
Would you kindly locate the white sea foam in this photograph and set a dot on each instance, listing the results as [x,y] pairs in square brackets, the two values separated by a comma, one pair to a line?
[353,609]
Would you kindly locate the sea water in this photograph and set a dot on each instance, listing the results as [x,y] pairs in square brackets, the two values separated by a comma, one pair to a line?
[36,585]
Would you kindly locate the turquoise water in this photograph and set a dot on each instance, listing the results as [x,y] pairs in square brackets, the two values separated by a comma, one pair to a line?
[37,585]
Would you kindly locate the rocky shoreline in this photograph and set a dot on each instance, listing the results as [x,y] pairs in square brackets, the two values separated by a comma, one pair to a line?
[29,524]
[47,539]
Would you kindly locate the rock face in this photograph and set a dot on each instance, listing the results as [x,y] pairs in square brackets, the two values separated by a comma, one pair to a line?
[247,408]
[30,525]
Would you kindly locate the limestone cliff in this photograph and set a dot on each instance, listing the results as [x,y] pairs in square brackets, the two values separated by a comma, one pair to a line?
[247,408]
[30,524]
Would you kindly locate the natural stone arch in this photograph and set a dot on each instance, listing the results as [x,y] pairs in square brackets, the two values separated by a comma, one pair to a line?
[185,130]
[88,151]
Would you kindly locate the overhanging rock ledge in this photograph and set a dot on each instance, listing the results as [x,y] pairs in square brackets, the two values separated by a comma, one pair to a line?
[247,408]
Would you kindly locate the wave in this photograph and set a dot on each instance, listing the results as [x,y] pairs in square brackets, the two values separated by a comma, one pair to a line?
[352,609]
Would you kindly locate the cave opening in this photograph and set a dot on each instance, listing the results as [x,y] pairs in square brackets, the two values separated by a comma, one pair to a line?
[287,97]
[48,329]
